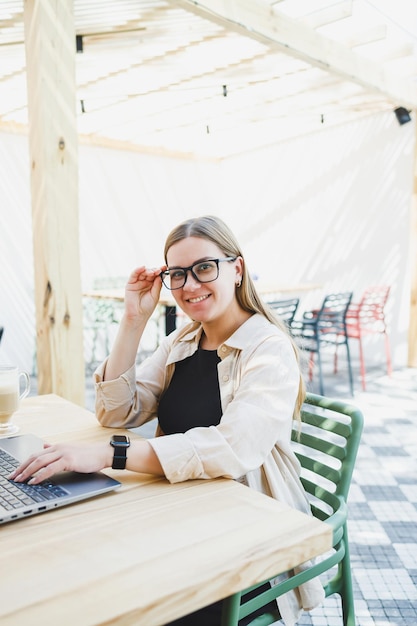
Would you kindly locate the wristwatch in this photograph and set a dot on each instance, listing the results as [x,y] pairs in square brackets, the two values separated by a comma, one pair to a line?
[120,444]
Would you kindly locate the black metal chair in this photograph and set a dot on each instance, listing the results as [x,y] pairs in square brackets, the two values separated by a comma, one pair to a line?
[285,309]
[323,327]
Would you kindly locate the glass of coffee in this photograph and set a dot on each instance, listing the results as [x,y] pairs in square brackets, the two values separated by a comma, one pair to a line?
[10,396]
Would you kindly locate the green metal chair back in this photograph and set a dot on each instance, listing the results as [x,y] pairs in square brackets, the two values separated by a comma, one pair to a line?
[326,443]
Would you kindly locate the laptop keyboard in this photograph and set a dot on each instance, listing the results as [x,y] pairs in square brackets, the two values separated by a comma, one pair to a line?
[13,495]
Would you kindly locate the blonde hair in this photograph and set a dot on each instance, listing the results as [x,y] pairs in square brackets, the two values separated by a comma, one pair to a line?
[214,229]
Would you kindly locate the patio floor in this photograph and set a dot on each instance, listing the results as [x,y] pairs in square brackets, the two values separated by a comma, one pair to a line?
[382,503]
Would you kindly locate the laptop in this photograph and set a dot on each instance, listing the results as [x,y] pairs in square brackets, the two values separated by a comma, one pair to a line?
[19,500]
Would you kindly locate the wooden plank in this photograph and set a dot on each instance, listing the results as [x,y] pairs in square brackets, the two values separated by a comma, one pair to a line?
[412,329]
[328,15]
[367,36]
[53,146]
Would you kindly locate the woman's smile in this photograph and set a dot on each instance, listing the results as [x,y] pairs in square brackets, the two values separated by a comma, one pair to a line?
[197,299]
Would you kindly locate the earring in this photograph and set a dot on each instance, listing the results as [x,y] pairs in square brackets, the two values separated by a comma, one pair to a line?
[239,282]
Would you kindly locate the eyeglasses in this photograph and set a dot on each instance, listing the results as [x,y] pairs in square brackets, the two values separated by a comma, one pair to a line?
[203,272]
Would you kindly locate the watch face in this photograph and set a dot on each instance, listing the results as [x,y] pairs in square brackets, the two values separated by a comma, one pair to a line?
[120,440]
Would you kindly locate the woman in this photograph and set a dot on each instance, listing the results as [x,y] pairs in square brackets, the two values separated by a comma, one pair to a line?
[224,388]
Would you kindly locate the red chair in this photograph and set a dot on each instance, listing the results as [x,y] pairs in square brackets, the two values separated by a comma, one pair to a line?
[367,317]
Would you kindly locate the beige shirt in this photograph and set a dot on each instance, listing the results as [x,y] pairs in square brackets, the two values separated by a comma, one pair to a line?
[258,380]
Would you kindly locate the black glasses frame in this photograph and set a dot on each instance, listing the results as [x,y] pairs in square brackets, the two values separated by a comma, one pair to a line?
[190,269]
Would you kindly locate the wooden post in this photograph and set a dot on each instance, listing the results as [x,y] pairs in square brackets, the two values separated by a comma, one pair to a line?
[412,331]
[53,147]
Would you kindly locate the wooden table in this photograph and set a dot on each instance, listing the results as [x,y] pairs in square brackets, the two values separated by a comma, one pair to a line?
[166,301]
[146,553]
[266,290]
[166,298]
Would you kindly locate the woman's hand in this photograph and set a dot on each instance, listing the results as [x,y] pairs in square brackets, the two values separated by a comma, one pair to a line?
[85,458]
[63,457]
[141,298]
[142,292]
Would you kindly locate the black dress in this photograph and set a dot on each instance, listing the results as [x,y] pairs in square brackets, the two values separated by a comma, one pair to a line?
[193,399]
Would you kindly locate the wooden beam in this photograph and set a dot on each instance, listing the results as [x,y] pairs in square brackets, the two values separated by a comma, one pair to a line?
[53,147]
[398,52]
[257,19]
[412,329]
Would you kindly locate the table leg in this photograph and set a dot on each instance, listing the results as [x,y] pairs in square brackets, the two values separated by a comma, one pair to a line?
[170,319]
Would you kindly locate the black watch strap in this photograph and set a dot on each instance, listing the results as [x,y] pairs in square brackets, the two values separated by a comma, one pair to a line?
[120,444]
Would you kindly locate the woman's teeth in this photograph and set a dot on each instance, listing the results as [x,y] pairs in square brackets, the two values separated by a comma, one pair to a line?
[199,299]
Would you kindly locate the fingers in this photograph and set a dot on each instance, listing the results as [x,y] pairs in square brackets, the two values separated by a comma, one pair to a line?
[38,468]
[134,275]
[60,458]
[144,274]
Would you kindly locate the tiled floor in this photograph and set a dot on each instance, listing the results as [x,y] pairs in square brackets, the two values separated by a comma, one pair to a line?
[382,504]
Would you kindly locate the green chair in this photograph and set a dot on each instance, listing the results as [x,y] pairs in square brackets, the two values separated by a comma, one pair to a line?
[326,443]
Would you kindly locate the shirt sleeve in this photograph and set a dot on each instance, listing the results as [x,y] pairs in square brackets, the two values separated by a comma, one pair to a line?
[257,417]
[132,399]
